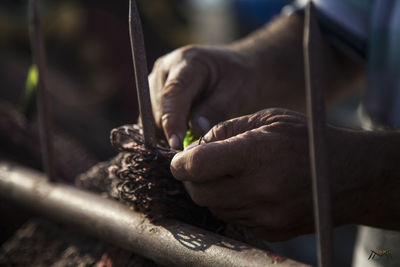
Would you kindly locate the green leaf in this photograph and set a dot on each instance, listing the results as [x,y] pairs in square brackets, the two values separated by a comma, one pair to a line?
[32,80]
[189,138]
[31,87]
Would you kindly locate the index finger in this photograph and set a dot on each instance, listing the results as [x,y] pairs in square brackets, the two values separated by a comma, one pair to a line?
[213,160]
[182,86]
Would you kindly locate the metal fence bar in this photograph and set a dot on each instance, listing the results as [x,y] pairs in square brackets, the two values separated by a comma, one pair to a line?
[169,243]
[39,59]
[317,136]
[141,73]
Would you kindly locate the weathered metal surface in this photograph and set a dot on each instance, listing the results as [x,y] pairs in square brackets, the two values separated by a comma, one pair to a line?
[141,73]
[39,58]
[313,55]
[169,243]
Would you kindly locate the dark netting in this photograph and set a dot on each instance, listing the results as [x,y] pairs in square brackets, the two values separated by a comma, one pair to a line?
[141,178]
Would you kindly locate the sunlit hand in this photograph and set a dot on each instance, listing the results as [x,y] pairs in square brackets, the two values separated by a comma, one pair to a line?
[254,171]
[199,86]
[203,86]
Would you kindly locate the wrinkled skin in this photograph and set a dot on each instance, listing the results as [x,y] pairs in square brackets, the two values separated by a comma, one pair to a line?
[254,170]
[241,173]
[198,86]
[196,82]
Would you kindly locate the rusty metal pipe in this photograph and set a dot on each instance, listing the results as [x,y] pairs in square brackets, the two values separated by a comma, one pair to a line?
[168,243]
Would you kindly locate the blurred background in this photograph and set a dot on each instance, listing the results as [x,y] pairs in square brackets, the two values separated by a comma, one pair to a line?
[90,72]
[88,55]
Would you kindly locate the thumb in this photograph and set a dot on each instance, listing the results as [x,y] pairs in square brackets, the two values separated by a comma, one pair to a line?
[210,161]
[225,152]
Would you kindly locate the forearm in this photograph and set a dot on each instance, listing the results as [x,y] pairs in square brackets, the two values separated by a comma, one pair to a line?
[277,50]
[365,170]
[384,203]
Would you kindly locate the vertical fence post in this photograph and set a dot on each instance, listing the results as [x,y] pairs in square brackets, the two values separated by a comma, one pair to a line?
[314,77]
[141,73]
[43,100]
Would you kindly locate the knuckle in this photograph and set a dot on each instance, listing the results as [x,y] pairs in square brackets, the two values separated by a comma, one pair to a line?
[284,129]
[221,131]
[273,115]
[170,122]
[273,111]
[166,120]
[282,115]
[172,88]
[279,120]
[190,51]
[220,128]
[212,134]
[158,63]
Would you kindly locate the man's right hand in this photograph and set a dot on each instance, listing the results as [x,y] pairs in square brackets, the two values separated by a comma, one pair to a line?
[200,85]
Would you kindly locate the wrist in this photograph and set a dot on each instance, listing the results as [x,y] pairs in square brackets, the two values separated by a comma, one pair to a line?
[384,198]
[277,54]
[279,36]
[348,175]
[363,167]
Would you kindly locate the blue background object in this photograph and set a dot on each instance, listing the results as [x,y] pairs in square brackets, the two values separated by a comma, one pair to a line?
[255,13]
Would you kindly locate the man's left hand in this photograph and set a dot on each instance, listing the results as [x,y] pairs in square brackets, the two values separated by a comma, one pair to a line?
[253,171]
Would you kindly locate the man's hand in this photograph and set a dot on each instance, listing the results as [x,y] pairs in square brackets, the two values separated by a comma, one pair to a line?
[202,86]
[254,171]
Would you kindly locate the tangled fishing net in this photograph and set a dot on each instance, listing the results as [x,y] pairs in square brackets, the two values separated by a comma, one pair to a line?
[141,178]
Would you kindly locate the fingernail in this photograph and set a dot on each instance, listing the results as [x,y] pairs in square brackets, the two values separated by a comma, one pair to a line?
[204,124]
[173,141]
[191,146]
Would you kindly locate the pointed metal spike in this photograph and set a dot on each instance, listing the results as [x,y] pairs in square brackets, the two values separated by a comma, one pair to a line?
[141,75]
